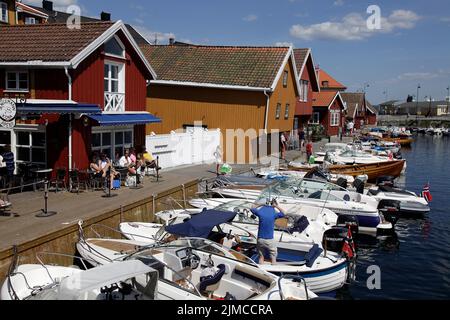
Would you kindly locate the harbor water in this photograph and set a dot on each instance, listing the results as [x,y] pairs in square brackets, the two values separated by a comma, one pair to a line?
[415,262]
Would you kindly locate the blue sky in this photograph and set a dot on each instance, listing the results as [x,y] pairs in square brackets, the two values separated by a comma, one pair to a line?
[411,47]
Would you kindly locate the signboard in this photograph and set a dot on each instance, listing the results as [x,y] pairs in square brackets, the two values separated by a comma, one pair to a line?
[7,113]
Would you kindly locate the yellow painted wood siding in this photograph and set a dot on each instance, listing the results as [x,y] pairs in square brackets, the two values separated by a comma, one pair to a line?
[215,108]
[283,95]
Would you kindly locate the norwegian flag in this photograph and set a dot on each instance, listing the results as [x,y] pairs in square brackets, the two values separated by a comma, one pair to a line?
[426,193]
[349,246]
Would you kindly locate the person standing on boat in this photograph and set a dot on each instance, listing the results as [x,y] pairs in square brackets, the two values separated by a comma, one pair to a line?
[267,215]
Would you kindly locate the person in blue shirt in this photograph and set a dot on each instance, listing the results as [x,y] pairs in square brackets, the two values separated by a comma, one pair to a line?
[8,158]
[267,215]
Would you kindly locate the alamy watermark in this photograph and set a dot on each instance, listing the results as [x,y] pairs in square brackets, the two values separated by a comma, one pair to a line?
[74,20]
[374,20]
[374,280]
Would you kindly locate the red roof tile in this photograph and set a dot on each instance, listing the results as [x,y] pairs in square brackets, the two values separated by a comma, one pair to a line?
[47,42]
[323,98]
[332,83]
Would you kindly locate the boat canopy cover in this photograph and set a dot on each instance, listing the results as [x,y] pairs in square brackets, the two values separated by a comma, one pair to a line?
[75,286]
[200,225]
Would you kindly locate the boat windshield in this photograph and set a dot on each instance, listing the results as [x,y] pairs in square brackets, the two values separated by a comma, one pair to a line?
[354,153]
[304,189]
[162,231]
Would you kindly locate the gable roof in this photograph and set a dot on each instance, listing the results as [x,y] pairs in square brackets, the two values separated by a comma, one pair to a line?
[370,107]
[244,68]
[332,83]
[352,101]
[22,7]
[325,99]
[54,45]
[302,56]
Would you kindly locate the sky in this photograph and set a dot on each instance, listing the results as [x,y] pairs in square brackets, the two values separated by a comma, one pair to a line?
[408,45]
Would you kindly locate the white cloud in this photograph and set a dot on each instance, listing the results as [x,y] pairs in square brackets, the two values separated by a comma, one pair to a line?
[151,36]
[338,3]
[284,44]
[250,18]
[445,19]
[354,27]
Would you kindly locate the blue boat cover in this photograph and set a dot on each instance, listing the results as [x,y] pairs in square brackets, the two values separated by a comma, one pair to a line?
[108,119]
[201,224]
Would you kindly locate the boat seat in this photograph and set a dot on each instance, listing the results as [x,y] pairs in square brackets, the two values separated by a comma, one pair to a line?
[312,255]
[210,284]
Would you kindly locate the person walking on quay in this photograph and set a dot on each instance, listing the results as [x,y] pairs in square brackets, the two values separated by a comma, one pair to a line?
[218,158]
[283,146]
[309,150]
[301,136]
[267,215]
[350,127]
[8,158]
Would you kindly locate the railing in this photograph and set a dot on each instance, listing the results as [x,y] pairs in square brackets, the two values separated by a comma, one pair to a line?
[114,102]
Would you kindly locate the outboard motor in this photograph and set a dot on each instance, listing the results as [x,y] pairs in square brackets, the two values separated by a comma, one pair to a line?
[348,221]
[388,206]
[385,181]
[359,186]
[333,239]
[342,182]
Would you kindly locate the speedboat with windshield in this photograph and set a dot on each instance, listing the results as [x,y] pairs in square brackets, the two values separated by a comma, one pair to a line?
[313,193]
[124,280]
[198,269]
[324,271]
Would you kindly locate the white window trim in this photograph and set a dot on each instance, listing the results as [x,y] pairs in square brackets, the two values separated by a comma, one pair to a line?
[30,18]
[318,118]
[16,89]
[120,44]
[121,76]
[286,111]
[278,111]
[285,78]
[335,118]
[4,5]
[113,130]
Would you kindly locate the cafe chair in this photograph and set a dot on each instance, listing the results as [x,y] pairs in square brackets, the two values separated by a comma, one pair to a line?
[5,204]
[60,179]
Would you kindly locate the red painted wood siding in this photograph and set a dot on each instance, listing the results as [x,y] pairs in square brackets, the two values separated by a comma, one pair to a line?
[305,108]
[87,80]
[50,84]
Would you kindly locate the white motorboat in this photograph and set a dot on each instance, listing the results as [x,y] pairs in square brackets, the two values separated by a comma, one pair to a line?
[276,174]
[313,193]
[127,280]
[352,156]
[407,202]
[323,272]
[198,269]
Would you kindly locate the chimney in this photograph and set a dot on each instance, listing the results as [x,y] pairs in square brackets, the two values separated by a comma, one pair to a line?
[47,5]
[105,16]
[171,41]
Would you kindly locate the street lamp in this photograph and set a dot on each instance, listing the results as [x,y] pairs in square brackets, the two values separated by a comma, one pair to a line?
[448,98]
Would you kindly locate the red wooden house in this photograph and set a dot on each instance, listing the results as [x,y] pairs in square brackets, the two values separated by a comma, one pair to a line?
[308,86]
[328,111]
[85,90]
[359,109]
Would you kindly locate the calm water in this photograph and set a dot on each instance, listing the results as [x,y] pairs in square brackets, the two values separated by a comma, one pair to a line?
[416,265]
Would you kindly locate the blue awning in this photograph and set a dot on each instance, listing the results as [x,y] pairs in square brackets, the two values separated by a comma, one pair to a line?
[108,119]
[59,108]
[201,224]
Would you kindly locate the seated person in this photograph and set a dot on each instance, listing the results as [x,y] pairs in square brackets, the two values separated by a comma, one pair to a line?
[126,162]
[95,166]
[231,241]
[148,159]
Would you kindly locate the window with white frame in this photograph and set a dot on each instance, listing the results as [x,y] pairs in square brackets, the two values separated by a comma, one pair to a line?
[31,146]
[315,118]
[3,12]
[286,111]
[17,81]
[112,141]
[114,47]
[335,117]
[278,111]
[114,86]
[30,20]
[304,84]
[285,78]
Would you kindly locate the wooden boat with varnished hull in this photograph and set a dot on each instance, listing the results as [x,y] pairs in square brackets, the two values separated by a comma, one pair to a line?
[372,170]
[404,142]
